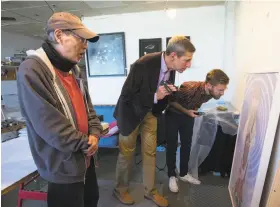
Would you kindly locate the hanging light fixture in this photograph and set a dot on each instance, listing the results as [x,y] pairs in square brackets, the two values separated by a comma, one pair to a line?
[171,13]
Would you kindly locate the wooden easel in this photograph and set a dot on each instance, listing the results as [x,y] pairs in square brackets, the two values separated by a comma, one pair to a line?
[274,198]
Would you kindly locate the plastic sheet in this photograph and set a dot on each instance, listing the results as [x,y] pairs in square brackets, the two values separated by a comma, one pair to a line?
[204,132]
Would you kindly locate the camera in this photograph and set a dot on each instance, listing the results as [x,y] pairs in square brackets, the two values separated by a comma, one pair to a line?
[165,84]
[199,113]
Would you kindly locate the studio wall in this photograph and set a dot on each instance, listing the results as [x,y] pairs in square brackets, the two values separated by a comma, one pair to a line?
[12,43]
[257,42]
[256,49]
[205,26]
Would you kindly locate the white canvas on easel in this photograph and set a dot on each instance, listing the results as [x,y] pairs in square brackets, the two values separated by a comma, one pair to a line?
[258,121]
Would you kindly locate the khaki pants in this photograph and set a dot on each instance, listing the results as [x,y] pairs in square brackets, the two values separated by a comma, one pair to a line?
[127,145]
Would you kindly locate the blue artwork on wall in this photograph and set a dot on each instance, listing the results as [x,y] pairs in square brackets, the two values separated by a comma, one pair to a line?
[107,56]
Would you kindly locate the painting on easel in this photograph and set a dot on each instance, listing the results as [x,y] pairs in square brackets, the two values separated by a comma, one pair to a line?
[258,122]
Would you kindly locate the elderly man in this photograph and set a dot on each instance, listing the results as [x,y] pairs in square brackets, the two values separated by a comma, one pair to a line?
[180,118]
[142,98]
[63,129]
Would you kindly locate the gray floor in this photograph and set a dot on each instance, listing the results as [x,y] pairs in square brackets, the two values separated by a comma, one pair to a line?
[211,193]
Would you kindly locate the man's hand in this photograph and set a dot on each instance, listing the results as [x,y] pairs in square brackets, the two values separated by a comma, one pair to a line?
[93,145]
[191,113]
[162,92]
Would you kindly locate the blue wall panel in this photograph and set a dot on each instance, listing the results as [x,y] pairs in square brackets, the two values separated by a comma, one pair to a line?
[107,112]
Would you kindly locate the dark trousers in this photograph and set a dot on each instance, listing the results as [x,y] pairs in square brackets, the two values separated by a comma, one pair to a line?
[75,194]
[183,124]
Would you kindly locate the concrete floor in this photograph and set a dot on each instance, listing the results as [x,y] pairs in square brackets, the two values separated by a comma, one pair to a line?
[212,192]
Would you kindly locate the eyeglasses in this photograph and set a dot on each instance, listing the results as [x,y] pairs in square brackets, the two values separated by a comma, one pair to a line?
[83,40]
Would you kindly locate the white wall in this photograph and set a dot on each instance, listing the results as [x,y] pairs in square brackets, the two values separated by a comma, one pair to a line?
[12,43]
[257,42]
[205,25]
[229,48]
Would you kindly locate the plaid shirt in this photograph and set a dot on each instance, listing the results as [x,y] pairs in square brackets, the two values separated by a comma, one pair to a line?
[191,95]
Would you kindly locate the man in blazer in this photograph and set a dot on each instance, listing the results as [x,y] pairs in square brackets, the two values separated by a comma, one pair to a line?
[142,98]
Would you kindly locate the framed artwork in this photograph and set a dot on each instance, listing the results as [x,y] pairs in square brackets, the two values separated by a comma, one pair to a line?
[257,127]
[149,46]
[107,56]
[168,38]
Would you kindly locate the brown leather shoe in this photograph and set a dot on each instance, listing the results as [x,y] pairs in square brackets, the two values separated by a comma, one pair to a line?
[124,198]
[158,200]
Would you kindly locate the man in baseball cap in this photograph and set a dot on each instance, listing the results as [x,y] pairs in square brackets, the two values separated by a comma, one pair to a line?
[68,21]
[63,129]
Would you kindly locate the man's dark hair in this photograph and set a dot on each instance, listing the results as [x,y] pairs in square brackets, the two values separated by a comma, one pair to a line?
[180,45]
[217,76]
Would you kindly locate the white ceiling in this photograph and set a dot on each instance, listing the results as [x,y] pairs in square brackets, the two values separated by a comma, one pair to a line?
[31,16]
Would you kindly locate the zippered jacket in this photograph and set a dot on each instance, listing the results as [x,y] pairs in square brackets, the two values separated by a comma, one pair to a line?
[55,142]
